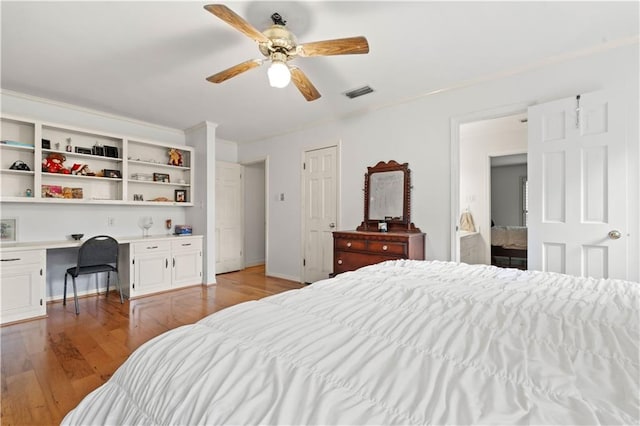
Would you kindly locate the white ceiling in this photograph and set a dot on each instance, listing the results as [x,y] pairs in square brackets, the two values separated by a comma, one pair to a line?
[149,60]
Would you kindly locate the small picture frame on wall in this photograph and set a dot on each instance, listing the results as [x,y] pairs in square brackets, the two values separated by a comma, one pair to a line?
[161,177]
[181,196]
[8,230]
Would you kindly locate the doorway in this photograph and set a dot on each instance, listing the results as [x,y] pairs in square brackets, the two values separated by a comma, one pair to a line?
[476,140]
[255,213]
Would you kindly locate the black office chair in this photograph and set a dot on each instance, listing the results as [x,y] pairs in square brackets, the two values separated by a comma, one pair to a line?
[97,254]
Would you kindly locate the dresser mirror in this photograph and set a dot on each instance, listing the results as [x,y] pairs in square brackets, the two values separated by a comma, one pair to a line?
[387,194]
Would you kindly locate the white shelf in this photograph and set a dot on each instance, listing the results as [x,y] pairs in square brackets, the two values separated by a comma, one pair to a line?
[145,157]
[17,172]
[46,175]
[89,157]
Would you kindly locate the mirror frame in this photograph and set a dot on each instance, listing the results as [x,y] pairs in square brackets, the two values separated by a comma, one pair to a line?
[397,225]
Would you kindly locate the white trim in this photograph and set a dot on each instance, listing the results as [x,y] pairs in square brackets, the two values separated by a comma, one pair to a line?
[284,277]
[201,125]
[456,122]
[90,111]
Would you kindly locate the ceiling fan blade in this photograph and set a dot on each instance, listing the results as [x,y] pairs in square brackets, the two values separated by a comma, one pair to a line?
[340,46]
[235,70]
[303,84]
[237,22]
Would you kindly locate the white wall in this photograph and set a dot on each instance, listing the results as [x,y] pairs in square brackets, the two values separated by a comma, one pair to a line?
[226,150]
[419,132]
[254,214]
[506,205]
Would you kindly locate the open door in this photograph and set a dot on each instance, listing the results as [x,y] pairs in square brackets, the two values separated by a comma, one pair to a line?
[229,215]
[578,186]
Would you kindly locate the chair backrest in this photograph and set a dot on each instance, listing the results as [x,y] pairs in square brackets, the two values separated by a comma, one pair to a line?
[98,250]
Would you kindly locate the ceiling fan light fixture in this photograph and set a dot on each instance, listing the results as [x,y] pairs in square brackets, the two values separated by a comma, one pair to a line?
[279,74]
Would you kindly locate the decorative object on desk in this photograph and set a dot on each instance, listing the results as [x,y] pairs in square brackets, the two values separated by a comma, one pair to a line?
[138,197]
[175,157]
[145,222]
[28,193]
[20,165]
[382,226]
[181,196]
[51,191]
[54,163]
[183,230]
[8,230]
[46,144]
[161,177]
[110,151]
[77,237]
[68,147]
[81,150]
[115,174]
[167,224]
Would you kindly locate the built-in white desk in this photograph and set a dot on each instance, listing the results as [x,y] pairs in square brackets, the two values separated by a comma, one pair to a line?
[146,265]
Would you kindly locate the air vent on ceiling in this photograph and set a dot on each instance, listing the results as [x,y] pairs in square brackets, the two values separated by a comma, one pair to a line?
[358,92]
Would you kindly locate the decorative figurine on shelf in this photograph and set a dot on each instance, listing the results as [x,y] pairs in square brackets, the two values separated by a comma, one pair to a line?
[68,145]
[81,169]
[54,163]
[28,193]
[175,157]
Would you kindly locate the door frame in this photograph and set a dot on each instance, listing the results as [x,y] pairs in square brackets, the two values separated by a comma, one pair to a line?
[338,145]
[264,160]
[456,122]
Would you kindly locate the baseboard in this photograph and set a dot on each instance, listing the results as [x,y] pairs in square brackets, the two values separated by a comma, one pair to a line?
[283,276]
[254,263]
[86,293]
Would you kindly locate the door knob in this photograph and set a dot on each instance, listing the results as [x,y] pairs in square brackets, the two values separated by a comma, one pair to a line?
[332,225]
[615,234]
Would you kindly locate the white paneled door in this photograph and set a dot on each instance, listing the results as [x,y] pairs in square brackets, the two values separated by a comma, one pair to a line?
[320,212]
[577,186]
[229,214]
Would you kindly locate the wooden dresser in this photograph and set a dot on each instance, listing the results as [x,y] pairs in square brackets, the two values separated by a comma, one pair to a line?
[355,249]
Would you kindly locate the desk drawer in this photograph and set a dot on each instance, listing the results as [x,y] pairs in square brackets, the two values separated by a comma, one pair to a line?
[184,243]
[26,257]
[151,246]
[384,247]
[349,244]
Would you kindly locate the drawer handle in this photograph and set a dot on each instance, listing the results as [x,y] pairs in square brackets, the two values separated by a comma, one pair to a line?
[339,261]
[152,247]
[349,244]
[384,248]
[11,260]
[186,245]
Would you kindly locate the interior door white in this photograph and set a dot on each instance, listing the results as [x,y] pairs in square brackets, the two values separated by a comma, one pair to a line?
[320,212]
[229,214]
[577,186]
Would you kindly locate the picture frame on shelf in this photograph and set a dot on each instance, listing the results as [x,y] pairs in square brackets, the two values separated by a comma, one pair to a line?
[81,150]
[110,151]
[114,174]
[46,144]
[9,230]
[98,150]
[161,177]
[181,196]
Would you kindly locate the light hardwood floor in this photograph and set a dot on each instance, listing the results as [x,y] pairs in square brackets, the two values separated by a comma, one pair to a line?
[49,365]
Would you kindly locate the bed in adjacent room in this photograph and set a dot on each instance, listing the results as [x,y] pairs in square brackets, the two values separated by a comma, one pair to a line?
[401,342]
[509,246]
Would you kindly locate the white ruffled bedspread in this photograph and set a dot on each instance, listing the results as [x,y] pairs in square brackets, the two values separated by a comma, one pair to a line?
[403,342]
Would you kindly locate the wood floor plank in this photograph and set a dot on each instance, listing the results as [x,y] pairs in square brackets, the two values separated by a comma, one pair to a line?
[48,365]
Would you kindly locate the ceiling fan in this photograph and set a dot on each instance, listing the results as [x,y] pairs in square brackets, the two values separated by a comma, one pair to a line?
[279,46]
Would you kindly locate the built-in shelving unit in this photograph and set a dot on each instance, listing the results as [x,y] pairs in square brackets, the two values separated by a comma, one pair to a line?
[100,168]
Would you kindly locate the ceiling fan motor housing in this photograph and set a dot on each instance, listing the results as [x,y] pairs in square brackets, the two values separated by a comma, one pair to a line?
[280,40]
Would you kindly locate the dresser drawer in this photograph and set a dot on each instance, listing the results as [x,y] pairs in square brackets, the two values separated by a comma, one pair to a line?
[350,261]
[349,244]
[384,247]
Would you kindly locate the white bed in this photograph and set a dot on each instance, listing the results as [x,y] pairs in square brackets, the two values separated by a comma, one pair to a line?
[403,342]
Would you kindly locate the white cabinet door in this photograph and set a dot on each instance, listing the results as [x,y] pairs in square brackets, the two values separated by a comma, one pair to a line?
[151,268]
[23,286]
[187,262]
